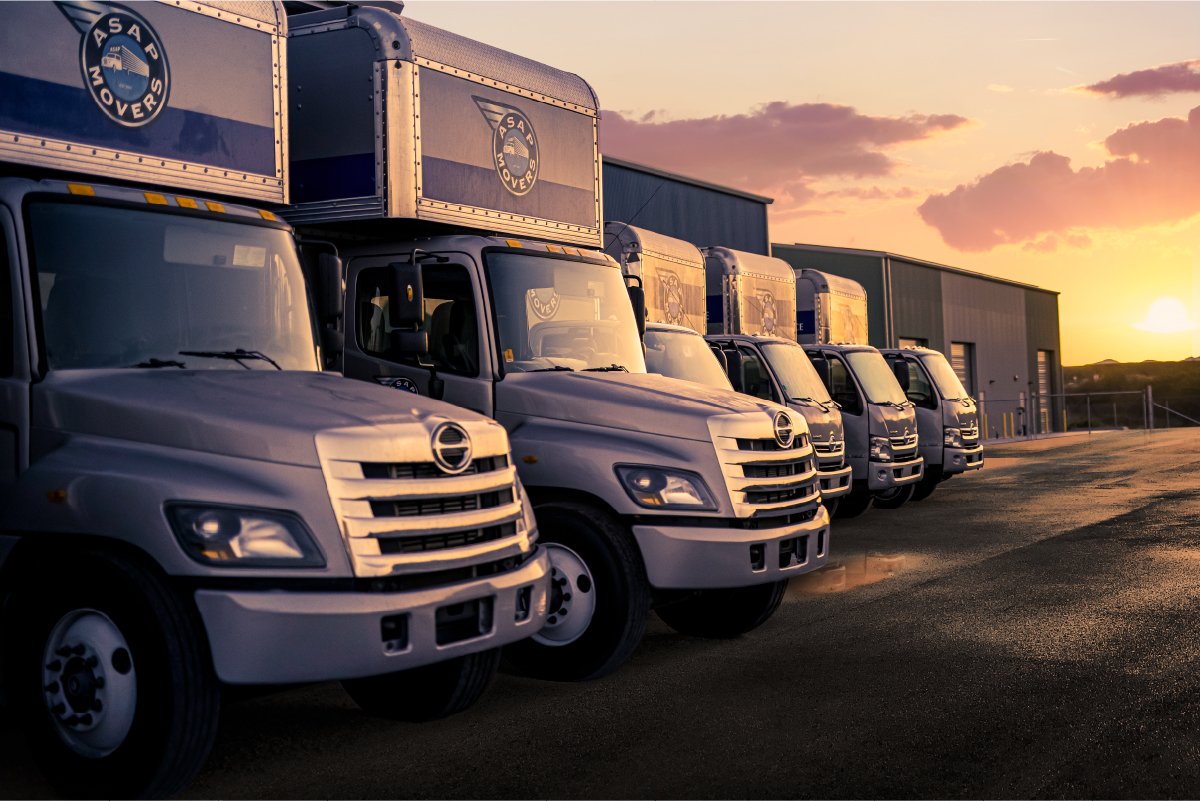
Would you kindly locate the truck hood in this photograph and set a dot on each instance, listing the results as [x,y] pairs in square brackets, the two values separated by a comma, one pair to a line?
[892,422]
[643,402]
[960,414]
[253,414]
[823,424]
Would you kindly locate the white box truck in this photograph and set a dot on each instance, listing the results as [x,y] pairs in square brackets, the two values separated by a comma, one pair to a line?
[879,420]
[770,368]
[186,501]
[409,145]
[947,416]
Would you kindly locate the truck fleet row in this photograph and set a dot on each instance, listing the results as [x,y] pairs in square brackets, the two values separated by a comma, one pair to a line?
[195,494]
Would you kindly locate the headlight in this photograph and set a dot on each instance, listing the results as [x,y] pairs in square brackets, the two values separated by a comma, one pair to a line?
[656,488]
[881,449]
[953,438]
[233,537]
[527,524]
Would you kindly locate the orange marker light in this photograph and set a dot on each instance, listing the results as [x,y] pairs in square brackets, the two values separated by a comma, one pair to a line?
[81,189]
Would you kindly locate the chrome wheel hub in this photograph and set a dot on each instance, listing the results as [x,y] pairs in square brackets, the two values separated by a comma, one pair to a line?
[572,597]
[89,683]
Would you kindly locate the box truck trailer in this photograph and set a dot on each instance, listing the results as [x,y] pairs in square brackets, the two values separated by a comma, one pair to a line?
[947,416]
[879,420]
[675,278]
[415,146]
[186,501]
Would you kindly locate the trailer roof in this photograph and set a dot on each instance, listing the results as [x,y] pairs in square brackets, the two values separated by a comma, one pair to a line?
[754,264]
[653,244]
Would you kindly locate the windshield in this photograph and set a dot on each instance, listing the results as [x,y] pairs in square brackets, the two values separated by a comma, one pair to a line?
[943,376]
[876,378]
[121,287]
[795,372]
[684,355]
[562,314]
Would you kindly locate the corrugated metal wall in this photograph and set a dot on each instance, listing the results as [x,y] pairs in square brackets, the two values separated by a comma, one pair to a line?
[917,304]
[697,214]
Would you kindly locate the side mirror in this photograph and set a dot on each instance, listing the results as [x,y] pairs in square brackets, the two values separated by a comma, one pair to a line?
[822,368]
[637,299]
[900,370]
[406,306]
[331,288]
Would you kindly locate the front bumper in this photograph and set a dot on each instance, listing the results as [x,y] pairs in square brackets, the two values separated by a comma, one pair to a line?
[888,475]
[835,481]
[704,557]
[960,460]
[278,637]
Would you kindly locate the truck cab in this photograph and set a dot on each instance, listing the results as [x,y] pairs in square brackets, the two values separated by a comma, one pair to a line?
[648,491]
[187,501]
[947,417]
[880,425]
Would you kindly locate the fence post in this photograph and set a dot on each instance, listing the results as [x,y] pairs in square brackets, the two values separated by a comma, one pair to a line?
[1167,406]
[1150,403]
[1088,398]
[1115,424]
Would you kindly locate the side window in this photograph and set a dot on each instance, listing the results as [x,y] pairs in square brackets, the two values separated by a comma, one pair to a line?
[7,315]
[842,388]
[755,380]
[450,317]
[920,390]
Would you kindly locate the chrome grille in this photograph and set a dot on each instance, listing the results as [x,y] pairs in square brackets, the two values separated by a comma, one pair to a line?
[902,444]
[763,478]
[401,514]
[970,434]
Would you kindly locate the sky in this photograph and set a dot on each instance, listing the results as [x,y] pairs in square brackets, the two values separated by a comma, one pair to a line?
[1056,144]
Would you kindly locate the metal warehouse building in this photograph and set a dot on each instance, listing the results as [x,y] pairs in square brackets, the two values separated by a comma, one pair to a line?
[1002,336]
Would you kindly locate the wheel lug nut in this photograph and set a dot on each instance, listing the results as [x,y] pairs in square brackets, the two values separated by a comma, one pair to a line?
[78,650]
[552,620]
[52,687]
[566,596]
[91,661]
[85,719]
[99,683]
[65,651]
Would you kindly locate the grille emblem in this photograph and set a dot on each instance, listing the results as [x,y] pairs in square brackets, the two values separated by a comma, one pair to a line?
[783,430]
[451,448]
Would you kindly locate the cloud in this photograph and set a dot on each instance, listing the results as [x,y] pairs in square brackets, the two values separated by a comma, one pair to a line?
[1050,243]
[1154,82]
[1000,87]
[778,147]
[1151,179]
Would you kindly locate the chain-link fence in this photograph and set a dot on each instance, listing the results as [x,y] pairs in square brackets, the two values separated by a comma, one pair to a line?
[1033,415]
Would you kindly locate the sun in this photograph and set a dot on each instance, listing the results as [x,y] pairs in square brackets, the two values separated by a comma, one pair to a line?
[1167,316]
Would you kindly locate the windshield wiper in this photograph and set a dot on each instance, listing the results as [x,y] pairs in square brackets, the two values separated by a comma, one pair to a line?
[897,405]
[154,363]
[555,368]
[612,368]
[235,355]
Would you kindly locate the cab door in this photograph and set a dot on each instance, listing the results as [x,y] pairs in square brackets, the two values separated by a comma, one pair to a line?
[14,362]
[458,358]
[919,388]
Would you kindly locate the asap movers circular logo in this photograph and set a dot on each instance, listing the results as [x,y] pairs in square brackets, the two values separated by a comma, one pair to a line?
[125,67]
[514,145]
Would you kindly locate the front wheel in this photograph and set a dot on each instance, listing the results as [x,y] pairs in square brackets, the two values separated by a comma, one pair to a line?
[428,692]
[928,483]
[110,676]
[895,497]
[855,502]
[599,596]
[721,614]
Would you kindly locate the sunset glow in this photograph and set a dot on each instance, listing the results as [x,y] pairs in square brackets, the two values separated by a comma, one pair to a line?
[1040,142]
[1167,316]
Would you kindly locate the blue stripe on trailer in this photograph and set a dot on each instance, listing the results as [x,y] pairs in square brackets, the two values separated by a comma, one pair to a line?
[453,182]
[40,108]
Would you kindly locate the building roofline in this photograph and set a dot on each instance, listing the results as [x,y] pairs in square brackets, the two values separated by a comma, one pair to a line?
[883,254]
[674,176]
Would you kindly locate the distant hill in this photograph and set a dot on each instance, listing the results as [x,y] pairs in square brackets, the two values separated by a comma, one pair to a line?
[1176,384]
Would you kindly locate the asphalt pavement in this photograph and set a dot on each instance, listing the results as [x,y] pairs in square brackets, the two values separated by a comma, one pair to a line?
[1028,631]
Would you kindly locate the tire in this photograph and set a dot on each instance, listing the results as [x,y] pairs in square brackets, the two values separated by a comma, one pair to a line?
[895,497]
[928,483]
[854,503]
[139,649]
[428,692]
[722,614]
[595,558]
[832,505]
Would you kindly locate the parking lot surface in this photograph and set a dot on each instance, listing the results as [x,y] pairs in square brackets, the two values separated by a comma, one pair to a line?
[1029,630]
